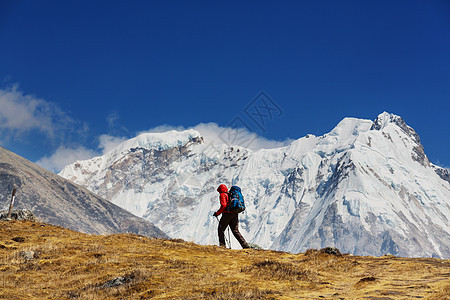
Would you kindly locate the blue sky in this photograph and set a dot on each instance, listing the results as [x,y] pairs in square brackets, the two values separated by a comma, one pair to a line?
[77,76]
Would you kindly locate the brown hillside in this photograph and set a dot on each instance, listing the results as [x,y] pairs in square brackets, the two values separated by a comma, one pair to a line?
[43,261]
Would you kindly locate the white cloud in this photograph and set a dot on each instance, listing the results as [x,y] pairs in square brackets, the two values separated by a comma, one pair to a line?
[114,125]
[64,156]
[20,114]
[108,142]
[112,119]
[31,119]
[163,128]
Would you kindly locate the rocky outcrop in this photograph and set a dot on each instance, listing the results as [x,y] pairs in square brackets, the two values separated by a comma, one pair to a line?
[19,215]
[443,173]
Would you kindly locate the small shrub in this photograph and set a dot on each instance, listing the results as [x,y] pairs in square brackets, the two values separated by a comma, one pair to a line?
[118,281]
[326,250]
[331,250]
[367,279]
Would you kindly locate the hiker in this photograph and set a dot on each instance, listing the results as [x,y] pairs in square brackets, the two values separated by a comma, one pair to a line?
[228,219]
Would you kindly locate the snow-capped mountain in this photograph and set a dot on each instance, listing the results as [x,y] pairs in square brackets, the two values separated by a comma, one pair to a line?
[366,188]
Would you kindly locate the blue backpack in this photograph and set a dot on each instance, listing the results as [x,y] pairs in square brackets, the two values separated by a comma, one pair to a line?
[236,203]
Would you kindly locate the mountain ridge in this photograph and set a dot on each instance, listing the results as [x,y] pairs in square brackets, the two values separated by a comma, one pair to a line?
[366,187]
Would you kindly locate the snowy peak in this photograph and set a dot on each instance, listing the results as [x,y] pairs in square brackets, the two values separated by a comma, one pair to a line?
[344,135]
[350,127]
[385,119]
[341,138]
[160,141]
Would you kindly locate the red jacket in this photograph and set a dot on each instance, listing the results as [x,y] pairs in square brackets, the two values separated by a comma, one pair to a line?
[223,197]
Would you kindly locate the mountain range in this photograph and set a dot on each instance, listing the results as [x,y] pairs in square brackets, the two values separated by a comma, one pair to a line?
[367,188]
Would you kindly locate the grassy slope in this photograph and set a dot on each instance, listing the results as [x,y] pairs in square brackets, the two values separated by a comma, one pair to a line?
[69,264]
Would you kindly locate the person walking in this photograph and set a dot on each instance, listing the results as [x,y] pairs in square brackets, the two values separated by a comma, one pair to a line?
[228,219]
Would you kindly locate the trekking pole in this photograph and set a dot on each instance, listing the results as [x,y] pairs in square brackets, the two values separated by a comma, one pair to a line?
[227,241]
[229,237]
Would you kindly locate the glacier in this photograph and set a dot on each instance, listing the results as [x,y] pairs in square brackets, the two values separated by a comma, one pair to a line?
[366,188]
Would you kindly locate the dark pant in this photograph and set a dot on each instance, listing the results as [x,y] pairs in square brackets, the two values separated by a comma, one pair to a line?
[232,220]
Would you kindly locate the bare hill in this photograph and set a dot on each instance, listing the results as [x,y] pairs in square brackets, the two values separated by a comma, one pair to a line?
[58,201]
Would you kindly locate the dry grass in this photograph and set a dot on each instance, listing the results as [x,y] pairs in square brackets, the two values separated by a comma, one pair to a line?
[47,262]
